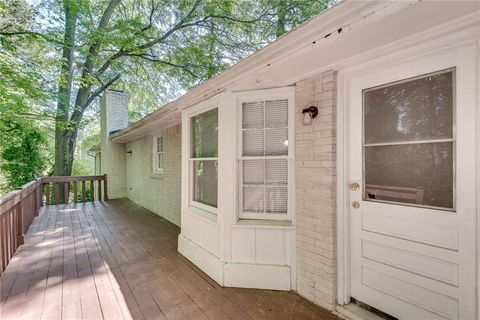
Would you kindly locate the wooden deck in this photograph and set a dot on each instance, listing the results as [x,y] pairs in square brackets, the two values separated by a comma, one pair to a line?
[116,260]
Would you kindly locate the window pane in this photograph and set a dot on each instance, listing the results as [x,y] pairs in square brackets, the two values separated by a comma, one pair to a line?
[205,134]
[160,160]
[276,171]
[205,184]
[253,143]
[276,142]
[276,114]
[160,144]
[253,198]
[413,110]
[277,199]
[253,171]
[252,115]
[412,173]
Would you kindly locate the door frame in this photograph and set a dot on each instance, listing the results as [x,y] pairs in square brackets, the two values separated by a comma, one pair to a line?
[469,51]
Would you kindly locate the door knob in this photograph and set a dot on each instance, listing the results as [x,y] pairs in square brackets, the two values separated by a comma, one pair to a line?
[355,204]
[354,186]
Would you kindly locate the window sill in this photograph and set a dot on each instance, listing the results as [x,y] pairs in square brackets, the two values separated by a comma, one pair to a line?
[282,224]
[202,213]
[156,175]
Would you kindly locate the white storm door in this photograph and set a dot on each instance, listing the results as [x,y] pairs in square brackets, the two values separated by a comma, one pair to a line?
[412,215]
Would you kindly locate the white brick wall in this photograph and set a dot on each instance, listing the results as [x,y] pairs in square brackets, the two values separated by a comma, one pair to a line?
[113,116]
[160,193]
[315,190]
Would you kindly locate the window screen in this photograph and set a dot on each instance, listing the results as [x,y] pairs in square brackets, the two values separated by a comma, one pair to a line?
[409,143]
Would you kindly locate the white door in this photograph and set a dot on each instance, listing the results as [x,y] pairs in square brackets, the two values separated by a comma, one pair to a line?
[412,216]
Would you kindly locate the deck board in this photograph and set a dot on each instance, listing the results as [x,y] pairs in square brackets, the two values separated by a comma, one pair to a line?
[116,260]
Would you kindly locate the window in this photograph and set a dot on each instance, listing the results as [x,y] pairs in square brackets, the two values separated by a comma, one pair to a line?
[158,160]
[264,160]
[204,159]
[409,142]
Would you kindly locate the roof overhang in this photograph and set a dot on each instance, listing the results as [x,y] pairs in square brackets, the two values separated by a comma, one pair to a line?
[345,30]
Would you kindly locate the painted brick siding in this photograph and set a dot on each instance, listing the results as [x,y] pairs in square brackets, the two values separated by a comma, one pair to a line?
[114,116]
[315,175]
[159,193]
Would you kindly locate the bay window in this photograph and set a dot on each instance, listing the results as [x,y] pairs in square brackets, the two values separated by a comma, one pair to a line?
[204,159]
[264,162]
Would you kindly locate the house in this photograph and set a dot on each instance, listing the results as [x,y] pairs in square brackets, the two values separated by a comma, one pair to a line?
[341,161]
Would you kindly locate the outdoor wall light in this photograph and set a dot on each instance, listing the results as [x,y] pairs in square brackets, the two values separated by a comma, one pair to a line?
[129,152]
[309,114]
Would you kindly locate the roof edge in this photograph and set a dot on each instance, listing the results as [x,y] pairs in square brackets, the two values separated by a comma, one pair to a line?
[280,47]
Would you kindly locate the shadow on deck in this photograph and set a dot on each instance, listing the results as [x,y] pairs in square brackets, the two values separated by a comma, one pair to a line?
[116,260]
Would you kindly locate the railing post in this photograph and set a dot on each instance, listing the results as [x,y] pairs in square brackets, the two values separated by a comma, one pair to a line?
[105,193]
[83,191]
[46,186]
[38,197]
[99,189]
[39,202]
[20,215]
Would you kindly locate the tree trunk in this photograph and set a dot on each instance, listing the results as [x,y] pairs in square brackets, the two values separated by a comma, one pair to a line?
[62,127]
[70,154]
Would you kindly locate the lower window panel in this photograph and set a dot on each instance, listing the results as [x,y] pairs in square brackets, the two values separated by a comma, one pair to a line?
[421,174]
[205,182]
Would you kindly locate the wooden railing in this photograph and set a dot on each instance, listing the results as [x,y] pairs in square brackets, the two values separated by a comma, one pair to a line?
[57,190]
[18,208]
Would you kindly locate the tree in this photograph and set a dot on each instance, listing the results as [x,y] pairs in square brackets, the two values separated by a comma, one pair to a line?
[285,15]
[103,41]
[132,43]
[23,146]
[22,156]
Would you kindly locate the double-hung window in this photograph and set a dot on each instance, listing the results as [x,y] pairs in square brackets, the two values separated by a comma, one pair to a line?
[264,191]
[158,160]
[204,159]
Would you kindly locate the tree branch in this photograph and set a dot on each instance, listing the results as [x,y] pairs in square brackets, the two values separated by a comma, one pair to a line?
[122,52]
[30,33]
[78,111]
[101,89]
[153,59]
[95,45]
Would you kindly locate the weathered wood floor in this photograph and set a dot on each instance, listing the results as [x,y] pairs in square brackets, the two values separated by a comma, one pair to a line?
[115,260]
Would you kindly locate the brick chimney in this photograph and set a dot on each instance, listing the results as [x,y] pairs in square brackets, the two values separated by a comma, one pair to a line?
[113,117]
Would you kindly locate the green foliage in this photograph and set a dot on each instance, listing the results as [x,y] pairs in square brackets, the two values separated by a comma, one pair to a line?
[285,15]
[24,144]
[81,168]
[22,153]
[58,57]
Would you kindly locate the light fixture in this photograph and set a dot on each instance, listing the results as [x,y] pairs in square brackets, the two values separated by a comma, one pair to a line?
[129,152]
[309,114]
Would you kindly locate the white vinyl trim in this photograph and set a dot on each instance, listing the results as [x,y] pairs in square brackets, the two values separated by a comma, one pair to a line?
[286,93]
[202,108]
[399,143]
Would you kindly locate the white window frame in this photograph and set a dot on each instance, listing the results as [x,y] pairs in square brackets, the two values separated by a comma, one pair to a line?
[156,153]
[190,161]
[262,95]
